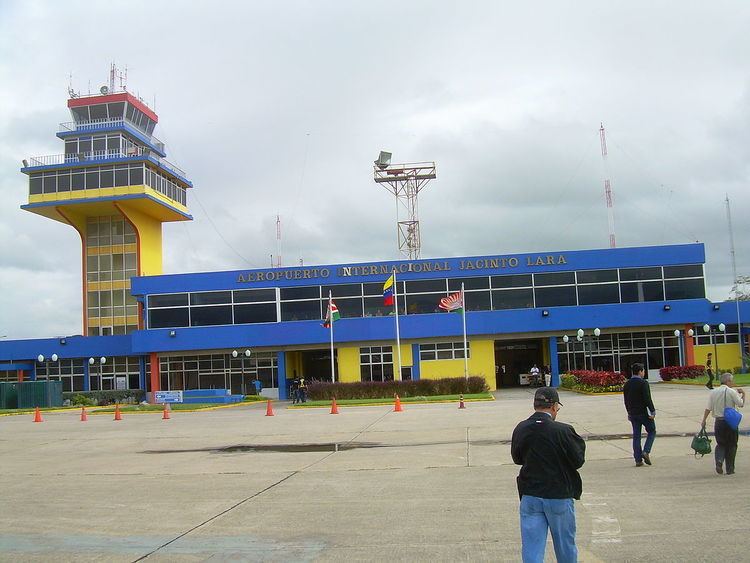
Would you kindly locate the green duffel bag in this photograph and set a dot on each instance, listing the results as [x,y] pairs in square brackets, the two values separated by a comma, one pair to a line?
[701,443]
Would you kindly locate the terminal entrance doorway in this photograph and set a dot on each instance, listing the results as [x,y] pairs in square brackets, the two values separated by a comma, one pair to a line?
[316,364]
[516,357]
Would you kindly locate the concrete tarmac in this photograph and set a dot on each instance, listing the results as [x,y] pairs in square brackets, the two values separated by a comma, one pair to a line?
[431,483]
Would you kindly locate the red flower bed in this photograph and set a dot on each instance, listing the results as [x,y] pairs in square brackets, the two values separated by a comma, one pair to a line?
[599,378]
[682,372]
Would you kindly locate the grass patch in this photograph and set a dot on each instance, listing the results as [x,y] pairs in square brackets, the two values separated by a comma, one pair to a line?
[31,410]
[739,379]
[404,400]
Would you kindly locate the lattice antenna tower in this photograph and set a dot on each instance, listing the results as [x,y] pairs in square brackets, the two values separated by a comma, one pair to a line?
[607,189]
[405,181]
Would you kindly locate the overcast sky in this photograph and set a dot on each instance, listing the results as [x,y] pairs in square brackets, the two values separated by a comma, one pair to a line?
[281,107]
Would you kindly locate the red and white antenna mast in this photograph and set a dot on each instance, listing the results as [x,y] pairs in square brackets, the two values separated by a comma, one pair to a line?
[608,189]
[278,240]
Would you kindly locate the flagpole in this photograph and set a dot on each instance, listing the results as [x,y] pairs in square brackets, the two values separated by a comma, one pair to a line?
[466,347]
[397,375]
[330,321]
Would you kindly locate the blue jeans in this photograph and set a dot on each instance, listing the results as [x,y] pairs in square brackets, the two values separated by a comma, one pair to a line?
[644,421]
[538,514]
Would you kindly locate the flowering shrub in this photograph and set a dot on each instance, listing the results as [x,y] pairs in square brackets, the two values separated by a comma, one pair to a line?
[567,381]
[594,381]
[682,372]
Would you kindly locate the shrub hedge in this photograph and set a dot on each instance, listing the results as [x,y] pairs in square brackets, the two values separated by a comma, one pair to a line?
[322,391]
[593,381]
[682,372]
[90,398]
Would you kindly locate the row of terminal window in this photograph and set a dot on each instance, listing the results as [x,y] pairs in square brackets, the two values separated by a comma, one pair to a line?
[114,110]
[631,285]
[96,177]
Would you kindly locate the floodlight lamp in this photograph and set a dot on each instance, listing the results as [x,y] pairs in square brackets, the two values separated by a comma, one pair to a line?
[40,358]
[235,353]
[102,360]
[91,361]
[597,332]
[706,328]
[248,352]
[565,339]
[580,333]
[677,333]
[384,160]
[54,357]
[691,332]
[722,327]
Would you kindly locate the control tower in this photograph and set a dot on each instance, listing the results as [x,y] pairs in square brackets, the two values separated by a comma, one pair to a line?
[113,185]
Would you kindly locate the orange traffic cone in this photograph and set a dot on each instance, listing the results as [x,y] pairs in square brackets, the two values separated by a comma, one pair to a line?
[84,416]
[269,408]
[397,407]
[461,401]
[38,415]
[334,407]
[165,413]
[118,414]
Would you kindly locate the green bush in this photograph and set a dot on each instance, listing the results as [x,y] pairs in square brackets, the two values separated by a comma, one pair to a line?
[101,398]
[567,381]
[82,400]
[323,391]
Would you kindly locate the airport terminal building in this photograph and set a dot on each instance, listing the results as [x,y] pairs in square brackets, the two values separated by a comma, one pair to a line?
[220,330]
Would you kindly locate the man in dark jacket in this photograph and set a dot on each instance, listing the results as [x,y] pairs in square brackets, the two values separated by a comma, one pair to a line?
[641,413]
[550,454]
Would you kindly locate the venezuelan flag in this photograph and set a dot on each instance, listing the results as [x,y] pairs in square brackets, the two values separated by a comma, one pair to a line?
[388,291]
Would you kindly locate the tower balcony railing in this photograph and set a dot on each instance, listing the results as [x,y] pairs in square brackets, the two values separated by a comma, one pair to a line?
[130,152]
[105,123]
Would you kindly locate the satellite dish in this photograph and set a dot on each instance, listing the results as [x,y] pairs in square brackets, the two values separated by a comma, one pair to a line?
[104,90]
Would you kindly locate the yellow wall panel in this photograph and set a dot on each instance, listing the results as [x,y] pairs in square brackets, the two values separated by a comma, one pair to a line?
[729,356]
[348,364]
[481,363]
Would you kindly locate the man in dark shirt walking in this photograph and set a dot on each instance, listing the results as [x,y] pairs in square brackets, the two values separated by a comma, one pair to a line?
[550,454]
[641,413]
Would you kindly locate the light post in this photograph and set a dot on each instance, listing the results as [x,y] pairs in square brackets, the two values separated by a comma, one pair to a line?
[712,335]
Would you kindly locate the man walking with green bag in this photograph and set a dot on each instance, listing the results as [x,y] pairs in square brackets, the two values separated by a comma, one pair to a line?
[721,398]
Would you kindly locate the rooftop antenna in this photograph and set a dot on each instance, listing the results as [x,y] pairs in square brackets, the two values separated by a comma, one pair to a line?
[735,278]
[405,181]
[607,189]
[71,92]
[278,240]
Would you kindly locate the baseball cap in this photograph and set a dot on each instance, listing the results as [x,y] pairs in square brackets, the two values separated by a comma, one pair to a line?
[546,397]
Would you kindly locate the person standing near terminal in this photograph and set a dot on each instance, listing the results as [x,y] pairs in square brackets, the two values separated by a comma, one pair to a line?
[709,370]
[726,436]
[641,413]
[302,390]
[550,454]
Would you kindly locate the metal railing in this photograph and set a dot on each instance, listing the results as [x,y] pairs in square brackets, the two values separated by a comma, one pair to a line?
[130,152]
[106,123]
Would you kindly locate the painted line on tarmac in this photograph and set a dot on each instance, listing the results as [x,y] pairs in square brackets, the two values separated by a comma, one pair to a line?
[605,527]
[268,488]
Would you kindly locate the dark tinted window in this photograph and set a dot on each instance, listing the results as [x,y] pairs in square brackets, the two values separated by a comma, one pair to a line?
[35,185]
[469,283]
[692,271]
[92,180]
[98,111]
[50,184]
[301,311]
[597,276]
[634,274]
[261,313]
[107,178]
[685,289]
[165,318]
[77,181]
[641,291]
[288,293]
[513,299]
[136,175]
[555,296]
[477,300]
[80,113]
[518,280]
[121,177]
[374,307]
[416,304]
[116,109]
[205,316]
[254,295]
[424,286]
[351,307]
[597,294]
[176,300]
[210,297]
[63,183]
[344,290]
[554,278]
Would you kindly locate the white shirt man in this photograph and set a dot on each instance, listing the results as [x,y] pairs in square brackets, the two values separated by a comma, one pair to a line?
[726,436]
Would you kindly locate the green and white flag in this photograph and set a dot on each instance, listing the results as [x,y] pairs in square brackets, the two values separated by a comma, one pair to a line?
[332,314]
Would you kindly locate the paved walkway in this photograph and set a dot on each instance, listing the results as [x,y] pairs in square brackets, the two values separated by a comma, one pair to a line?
[431,483]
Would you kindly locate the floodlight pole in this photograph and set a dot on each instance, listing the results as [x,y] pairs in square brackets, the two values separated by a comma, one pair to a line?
[405,181]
